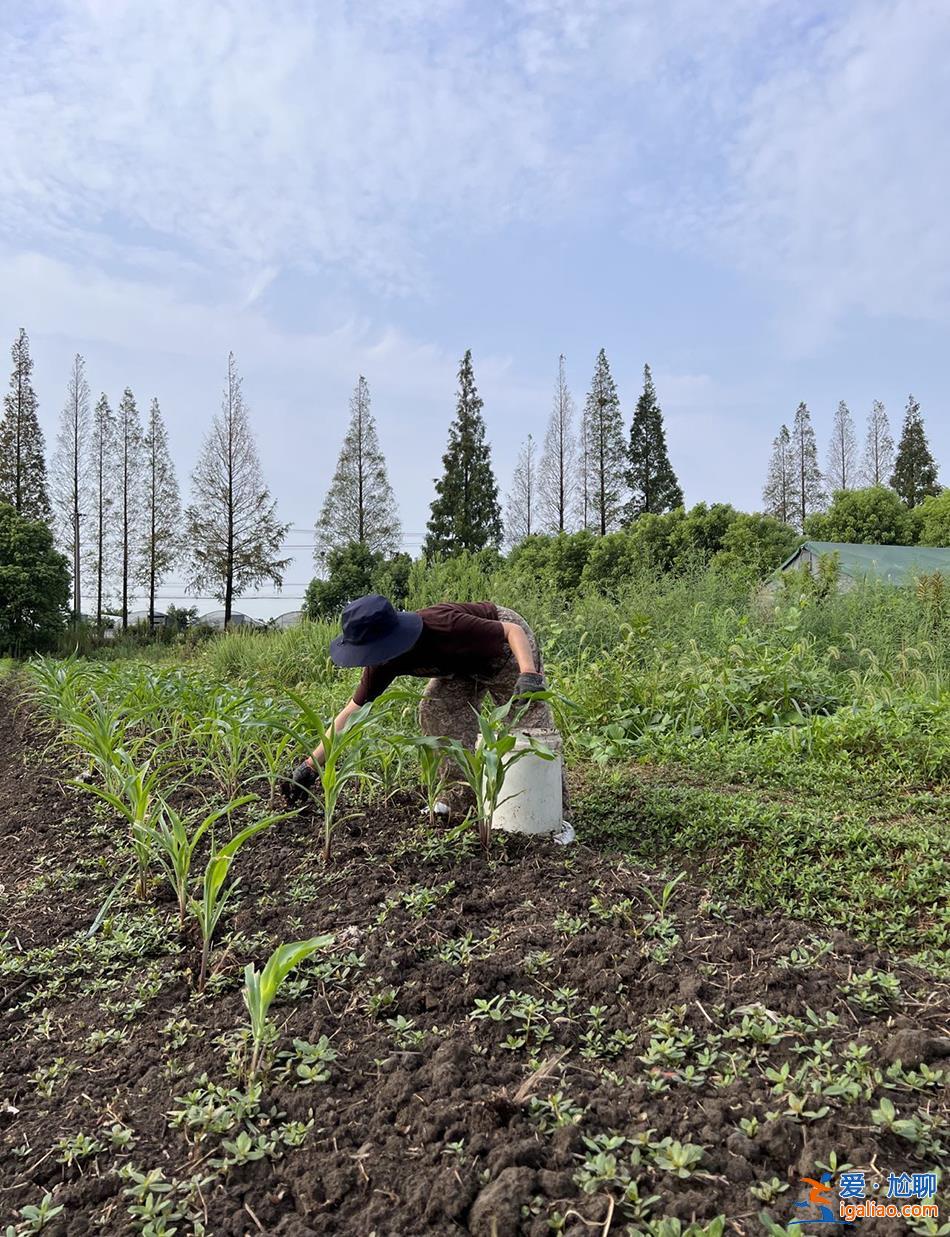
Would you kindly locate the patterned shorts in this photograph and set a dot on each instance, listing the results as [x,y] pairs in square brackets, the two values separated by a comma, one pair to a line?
[449,706]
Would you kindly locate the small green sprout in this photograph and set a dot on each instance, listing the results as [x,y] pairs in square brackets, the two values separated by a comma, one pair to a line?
[676,1157]
[261,987]
[38,1215]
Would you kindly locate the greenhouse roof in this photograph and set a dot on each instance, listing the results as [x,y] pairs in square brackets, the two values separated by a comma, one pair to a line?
[215,618]
[896,564]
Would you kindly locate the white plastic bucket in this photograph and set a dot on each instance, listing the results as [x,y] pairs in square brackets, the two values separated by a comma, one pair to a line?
[532,796]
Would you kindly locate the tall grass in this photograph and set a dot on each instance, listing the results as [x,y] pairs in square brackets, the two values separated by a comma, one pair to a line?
[708,610]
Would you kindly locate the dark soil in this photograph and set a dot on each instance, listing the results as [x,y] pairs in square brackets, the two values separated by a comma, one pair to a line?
[434,1127]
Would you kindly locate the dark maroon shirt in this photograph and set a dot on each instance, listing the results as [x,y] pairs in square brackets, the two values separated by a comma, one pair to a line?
[463,638]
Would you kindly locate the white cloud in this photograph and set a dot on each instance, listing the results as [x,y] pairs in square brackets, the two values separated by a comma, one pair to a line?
[799,143]
[297,383]
[839,172]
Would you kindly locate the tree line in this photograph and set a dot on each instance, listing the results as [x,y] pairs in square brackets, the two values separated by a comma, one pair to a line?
[590,474]
[112,495]
[797,487]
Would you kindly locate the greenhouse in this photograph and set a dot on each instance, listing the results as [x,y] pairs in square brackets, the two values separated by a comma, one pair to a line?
[292,618]
[215,619]
[891,564]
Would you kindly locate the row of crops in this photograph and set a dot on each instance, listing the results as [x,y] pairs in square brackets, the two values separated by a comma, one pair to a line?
[144,743]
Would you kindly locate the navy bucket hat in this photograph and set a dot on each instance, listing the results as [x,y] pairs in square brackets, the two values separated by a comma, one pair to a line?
[374,632]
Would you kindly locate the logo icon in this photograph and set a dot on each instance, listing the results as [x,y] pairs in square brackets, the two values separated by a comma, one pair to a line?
[819,1196]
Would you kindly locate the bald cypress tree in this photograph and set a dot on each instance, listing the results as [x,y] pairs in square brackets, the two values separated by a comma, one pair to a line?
[232,530]
[69,473]
[130,494]
[651,480]
[101,539]
[161,527]
[359,506]
[22,455]
[778,489]
[557,472]
[808,495]
[879,448]
[465,514]
[915,470]
[842,452]
[522,513]
[605,454]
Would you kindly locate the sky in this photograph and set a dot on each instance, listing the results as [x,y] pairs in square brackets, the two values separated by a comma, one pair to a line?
[751,196]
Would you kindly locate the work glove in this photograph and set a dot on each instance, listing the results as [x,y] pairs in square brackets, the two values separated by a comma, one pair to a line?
[297,787]
[527,683]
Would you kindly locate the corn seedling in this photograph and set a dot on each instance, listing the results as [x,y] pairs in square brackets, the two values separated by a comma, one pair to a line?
[215,893]
[663,901]
[485,768]
[175,846]
[227,738]
[134,797]
[431,753]
[275,753]
[344,756]
[99,731]
[260,987]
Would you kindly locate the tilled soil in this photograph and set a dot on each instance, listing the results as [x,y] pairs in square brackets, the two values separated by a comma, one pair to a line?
[595,1016]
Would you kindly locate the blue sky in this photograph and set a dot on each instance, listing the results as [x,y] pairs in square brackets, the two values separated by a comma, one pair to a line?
[752,196]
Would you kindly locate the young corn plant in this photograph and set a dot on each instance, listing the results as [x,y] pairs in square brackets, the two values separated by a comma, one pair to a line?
[227,737]
[345,754]
[431,753]
[274,753]
[99,731]
[132,791]
[260,987]
[175,843]
[485,768]
[216,893]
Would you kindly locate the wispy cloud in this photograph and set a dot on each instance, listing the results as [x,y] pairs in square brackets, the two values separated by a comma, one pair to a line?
[801,143]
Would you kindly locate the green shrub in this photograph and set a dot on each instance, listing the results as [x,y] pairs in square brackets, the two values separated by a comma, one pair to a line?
[875,516]
[34,585]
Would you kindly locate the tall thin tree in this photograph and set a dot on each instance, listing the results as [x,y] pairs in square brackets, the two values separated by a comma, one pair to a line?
[465,514]
[878,461]
[842,451]
[130,459]
[651,480]
[101,541]
[605,449]
[915,470]
[522,511]
[70,473]
[161,530]
[22,450]
[359,506]
[232,529]
[779,485]
[557,472]
[807,494]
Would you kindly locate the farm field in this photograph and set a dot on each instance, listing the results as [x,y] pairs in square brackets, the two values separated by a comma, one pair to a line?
[737,978]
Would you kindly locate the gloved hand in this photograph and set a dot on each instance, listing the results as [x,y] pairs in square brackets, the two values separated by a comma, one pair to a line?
[528,683]
[296,788]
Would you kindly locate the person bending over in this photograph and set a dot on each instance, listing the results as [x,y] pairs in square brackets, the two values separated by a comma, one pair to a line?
[464,649]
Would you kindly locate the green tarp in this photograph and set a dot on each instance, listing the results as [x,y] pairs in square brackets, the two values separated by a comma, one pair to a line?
[897,564]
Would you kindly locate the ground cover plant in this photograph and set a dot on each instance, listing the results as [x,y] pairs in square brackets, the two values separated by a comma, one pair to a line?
[738,978]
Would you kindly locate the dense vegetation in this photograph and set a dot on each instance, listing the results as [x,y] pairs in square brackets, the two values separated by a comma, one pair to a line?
[746,771]
[785,710]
